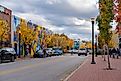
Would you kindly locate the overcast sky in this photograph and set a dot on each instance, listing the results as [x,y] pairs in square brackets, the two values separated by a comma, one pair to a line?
[61,16]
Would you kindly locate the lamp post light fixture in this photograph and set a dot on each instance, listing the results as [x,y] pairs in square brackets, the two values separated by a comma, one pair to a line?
[19,44]
[92,21]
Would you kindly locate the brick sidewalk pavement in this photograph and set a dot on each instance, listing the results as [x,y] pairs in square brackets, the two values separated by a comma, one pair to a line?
[97,72]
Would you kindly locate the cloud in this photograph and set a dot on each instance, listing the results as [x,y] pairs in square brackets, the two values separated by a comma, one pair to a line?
[71,17]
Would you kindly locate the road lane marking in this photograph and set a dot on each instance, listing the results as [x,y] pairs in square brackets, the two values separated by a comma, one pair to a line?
[5,72]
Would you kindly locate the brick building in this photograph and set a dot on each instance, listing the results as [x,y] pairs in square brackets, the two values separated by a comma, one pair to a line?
[5,14]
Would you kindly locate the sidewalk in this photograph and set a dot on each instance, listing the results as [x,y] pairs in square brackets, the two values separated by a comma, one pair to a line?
[97,72]
[23,58]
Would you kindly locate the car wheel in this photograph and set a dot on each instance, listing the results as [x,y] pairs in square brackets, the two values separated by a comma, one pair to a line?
[85,54]
[78,54]
[12,59]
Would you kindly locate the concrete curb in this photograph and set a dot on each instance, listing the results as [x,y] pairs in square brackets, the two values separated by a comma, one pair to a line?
[67,78]
[23,58]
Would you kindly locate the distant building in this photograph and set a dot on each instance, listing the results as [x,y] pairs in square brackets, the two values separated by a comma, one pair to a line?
[76,44]
[15,36]
[5,14]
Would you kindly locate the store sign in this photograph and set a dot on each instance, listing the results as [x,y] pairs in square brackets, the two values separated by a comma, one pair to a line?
[2,9]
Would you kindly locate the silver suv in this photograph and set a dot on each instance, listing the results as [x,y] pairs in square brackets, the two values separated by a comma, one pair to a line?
[82,51]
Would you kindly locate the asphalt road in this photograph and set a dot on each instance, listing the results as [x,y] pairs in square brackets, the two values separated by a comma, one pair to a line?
[40,69]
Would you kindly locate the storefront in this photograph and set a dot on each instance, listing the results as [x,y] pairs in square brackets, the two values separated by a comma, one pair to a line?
[15,38]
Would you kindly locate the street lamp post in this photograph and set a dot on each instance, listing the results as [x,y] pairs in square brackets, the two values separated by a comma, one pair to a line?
[96,46]
[19,44]
[93,61]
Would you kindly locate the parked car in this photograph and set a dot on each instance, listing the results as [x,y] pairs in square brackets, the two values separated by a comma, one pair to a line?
[57,51]
[75,51]
[7,54]
[99,51]
[39,54]
[89,50]
[49,51]
[82,51]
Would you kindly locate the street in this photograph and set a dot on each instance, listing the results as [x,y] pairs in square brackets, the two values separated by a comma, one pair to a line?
[40,69]
[60,40]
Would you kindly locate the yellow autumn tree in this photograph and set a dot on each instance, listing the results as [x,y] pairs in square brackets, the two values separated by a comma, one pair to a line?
[83,45]
[4,31]
[111,44]
[88,45]
[70,43]
[27,34]
[59,40]
[48,41]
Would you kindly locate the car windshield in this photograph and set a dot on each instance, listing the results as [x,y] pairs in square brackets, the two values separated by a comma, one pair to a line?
[7,49]
[56,48]
[40,51]
[89,48]
[48,49]
[82,49]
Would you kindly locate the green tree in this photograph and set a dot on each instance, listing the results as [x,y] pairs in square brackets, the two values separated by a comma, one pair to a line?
[104,19]
[101,42]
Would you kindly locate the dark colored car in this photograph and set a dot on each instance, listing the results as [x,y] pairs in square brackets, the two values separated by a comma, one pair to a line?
[57,51]
[7,54]
[99,51]
[39,54]
[49,52]
[89,50]
[74,51]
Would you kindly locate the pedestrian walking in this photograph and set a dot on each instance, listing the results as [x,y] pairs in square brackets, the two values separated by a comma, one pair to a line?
[118,52]
[110,52]
[113,52]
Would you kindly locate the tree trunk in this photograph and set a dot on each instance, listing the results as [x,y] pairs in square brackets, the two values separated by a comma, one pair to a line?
[104,47]
[25,53]
[109,65]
